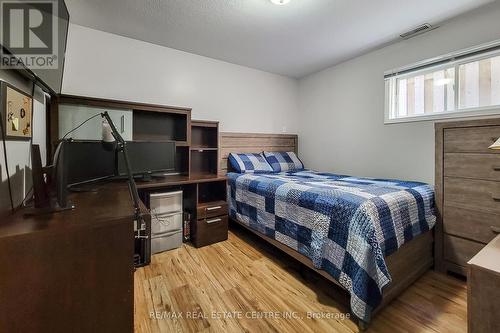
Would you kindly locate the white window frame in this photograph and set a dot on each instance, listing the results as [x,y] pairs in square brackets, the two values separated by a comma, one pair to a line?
[436,64]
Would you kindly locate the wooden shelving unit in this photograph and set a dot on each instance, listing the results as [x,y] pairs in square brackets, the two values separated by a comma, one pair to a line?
[210,224]
[204,148]
[197,157]
[149,122]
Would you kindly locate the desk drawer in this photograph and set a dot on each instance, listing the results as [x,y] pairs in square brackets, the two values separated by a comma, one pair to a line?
[477,195]
[470,139]
[476,166]
[474,225]
[212,209]
[459,251]
[211,230]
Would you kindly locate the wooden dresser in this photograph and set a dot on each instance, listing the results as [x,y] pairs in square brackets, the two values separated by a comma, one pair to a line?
[467,191]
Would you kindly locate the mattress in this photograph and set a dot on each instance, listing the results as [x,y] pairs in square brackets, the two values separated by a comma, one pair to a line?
[345,225]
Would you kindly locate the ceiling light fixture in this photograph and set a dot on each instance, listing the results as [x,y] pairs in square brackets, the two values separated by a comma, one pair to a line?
[280,2]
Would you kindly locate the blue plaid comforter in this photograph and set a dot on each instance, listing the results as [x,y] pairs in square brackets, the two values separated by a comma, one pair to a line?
[345,225]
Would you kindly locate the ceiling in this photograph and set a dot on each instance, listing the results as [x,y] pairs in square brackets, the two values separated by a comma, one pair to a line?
[293,40]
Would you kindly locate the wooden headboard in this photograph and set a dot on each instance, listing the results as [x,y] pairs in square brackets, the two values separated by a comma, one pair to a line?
[253,143]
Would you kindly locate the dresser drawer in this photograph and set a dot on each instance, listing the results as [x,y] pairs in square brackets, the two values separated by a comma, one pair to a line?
[459,251]
[210,230]
[474,225]
[478,195]
[212,209]
[476,166]
[470,139]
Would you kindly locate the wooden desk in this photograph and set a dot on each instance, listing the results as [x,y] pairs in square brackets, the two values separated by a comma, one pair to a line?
[483,282]
[71,271]
[204,197]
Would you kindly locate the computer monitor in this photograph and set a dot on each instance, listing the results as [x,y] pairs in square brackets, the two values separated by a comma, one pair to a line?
[78,162]
[87,161]
[147,158]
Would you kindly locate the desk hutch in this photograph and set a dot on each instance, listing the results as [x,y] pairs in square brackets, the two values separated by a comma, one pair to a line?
[73,271]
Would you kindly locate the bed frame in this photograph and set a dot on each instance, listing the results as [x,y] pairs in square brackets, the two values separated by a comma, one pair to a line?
[410,262]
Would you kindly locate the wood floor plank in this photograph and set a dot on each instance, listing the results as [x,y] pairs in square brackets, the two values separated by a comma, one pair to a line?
[245,285]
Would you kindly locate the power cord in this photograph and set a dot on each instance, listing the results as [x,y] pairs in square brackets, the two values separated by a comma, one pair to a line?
[6,164]
[4,142]
[23,202]
[77,127]
[31,140]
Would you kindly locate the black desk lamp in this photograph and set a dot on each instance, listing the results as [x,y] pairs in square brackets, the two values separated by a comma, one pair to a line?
[109,136]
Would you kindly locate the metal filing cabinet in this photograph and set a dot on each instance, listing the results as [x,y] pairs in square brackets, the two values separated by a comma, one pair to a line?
[166,221]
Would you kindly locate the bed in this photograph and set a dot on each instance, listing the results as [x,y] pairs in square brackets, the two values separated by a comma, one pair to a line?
[370,236]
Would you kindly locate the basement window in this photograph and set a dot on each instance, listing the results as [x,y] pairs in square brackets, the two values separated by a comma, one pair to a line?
[465,83]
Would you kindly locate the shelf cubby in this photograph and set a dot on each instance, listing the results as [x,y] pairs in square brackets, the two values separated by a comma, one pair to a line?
[204,148]
[160,126]
[204,135]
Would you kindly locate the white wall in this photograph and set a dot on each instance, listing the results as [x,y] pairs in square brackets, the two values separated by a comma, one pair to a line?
[101,64]
[340,123]
[342,108]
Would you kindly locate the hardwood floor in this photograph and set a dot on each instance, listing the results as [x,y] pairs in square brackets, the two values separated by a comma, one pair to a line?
[223,287]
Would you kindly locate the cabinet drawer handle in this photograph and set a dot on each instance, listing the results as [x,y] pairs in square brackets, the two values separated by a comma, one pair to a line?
[213,221]
[496,168]
[496,198]
[213,208]
[496,230]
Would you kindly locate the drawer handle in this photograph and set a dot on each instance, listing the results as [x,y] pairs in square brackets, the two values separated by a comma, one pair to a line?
[213,208]
[496,230]
[496,198]
[213,221]
[497,168]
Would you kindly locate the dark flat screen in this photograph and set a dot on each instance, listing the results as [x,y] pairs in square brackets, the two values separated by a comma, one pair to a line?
[87,160]
[50,78]
[148,157]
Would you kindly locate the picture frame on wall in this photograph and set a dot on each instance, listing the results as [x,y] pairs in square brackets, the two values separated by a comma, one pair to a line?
[16,111]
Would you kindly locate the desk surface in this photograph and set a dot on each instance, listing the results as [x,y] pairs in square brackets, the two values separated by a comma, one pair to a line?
[110,203]
[179,180]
